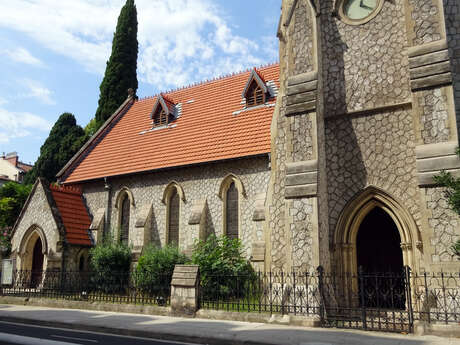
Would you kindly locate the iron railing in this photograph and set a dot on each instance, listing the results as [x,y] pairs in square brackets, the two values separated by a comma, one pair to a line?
[121,287]
[372,301]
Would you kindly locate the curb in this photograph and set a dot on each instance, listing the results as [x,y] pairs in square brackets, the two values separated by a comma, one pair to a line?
[132,333]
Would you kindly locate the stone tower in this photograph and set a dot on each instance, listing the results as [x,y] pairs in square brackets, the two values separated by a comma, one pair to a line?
[367,113]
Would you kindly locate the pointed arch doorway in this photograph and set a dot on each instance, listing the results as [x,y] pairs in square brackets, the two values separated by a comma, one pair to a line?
[376,232]
[37,263]
[378,244]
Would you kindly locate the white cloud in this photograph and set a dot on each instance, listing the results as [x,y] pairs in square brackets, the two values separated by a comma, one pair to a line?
[37,91]
[20,124]
[3,101]
[22,55]
[180,41]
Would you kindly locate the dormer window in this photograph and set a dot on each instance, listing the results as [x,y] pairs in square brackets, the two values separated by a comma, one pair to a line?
[255,95]
[160,118]
[163,112]
[255,91]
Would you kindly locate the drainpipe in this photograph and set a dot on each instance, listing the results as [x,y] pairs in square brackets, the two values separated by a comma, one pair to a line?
[108,189]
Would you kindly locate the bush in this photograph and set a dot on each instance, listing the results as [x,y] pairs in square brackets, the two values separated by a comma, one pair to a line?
[155,269]
[224,270]
[110,262]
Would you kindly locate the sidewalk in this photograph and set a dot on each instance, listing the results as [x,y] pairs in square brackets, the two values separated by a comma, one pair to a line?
[205,331]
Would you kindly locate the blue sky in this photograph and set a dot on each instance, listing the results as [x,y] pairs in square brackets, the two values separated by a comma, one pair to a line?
[53,54]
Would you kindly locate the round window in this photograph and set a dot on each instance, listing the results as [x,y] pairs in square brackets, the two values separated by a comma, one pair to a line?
[359,11]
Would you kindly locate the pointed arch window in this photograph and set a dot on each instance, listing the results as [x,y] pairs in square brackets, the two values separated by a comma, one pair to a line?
[172,196]
[231,192]
[173,224]
[124,219]
[232,207]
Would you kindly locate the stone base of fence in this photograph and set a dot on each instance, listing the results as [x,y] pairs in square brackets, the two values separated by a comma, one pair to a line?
[439,329]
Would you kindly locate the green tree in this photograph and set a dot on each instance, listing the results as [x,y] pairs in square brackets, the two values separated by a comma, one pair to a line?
[120,72]
[12,198]
[452,193]
[63,142]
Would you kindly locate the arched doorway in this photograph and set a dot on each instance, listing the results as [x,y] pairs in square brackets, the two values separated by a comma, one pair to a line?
[37,263]
[374,209]
[378,244]
[380,262]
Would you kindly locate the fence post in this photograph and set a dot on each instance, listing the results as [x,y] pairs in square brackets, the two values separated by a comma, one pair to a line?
[427,297]
[409,299]
[444,298]
[363,300]
[185,286]
[320,271]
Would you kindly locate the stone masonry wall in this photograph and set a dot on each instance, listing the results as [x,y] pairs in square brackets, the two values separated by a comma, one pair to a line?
[200,182]
[292,141]
[364,66]
[38,213]
[452,21]
[445,224]
[433,115]
[377,150]
[425,18]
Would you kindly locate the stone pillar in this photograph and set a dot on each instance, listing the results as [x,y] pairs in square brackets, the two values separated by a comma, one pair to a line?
[185,290]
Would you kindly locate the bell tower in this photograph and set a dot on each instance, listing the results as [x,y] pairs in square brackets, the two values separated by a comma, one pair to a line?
[367,114]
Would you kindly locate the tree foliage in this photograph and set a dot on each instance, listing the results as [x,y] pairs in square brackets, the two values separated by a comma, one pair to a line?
[12,198]
[155,269]
[120,72]
[224,270]
[110,262]
[63,142]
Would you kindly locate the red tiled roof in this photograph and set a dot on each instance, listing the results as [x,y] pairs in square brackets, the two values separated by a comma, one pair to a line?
[211,127]
[74,215]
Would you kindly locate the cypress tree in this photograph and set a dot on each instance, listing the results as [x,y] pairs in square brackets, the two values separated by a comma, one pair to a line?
[63,142]
[120,72]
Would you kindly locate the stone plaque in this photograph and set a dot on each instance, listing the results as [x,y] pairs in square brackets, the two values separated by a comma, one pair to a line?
[7,272]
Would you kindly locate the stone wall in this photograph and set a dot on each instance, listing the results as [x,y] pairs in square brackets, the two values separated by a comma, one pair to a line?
[364,66]
[198,183]
[445,224]
[434,115]
[39,213]
[452,23]
[293,140]
[377,150]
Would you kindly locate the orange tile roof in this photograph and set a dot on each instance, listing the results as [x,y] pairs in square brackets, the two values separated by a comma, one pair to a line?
[208,129]
[74,214]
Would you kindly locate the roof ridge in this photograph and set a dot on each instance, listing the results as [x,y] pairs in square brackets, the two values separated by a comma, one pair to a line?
[207,81]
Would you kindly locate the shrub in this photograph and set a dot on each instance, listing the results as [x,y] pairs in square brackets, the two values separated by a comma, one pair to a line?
[110,262]
[224,270]
[155,269]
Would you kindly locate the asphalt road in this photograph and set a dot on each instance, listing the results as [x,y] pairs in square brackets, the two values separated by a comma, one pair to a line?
[16,333]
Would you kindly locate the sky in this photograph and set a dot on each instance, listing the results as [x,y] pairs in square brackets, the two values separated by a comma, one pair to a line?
[53,55]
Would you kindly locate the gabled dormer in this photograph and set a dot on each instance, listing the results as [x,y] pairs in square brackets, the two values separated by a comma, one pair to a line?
[255,91]
[163,111]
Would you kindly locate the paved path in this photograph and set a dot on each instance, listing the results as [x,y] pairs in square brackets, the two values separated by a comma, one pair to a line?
[206,331]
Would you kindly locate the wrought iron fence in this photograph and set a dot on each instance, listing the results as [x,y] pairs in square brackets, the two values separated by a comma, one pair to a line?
[377,301]
[372,301]
[111,287]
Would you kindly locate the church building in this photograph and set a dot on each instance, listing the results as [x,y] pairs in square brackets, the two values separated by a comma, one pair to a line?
[326,158]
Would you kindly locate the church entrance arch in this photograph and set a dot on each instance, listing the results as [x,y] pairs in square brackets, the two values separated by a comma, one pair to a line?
[378,244]
[374,231]
[32,255]
[37,263]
